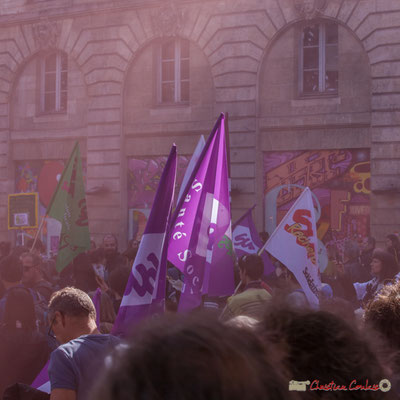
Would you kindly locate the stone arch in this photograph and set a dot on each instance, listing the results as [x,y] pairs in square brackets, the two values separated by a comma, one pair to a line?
[31,118]
[278,80]
[142,76]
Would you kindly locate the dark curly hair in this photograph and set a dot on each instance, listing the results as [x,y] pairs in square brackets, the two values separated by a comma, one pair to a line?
[383,314]
[318,345]
[194,358]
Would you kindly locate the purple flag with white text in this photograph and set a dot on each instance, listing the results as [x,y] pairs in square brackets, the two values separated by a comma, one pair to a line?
[247,241]
[201,237]
[146,285]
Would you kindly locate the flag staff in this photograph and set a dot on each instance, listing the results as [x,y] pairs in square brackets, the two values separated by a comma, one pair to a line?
[38,232]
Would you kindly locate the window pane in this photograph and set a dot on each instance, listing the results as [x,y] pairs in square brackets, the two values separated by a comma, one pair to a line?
[310,82]
[331,81]
[311,58]
[64,62]
[331,58]
[50,64]
[331,33]
[168,50]
[64,80]
[184,91]
[168,73]
[184,48]
[311,35]
[168,92]
[50,82]
[50,102]
[185,69]
[63,101]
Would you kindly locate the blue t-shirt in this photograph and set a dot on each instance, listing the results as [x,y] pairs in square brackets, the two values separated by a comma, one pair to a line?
[76,365]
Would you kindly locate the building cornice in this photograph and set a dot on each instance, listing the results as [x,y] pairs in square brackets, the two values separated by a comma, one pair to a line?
[47,9]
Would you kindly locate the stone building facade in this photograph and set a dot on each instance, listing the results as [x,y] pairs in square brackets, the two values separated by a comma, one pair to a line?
[311,89]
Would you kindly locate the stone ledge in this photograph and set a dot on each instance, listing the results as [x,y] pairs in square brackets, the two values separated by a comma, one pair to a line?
[316,101]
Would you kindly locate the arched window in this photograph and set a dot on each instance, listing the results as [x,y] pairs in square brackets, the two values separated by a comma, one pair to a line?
[54,83]
[318,67]
[173,71]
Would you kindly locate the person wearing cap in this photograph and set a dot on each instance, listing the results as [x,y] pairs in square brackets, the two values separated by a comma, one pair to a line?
[251,300]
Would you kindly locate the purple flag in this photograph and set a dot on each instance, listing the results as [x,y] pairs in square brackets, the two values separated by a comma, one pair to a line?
[247,241]
[42,381]
[201,237]
[146,284]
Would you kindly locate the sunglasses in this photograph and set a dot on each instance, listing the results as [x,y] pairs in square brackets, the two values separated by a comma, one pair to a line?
[50,332]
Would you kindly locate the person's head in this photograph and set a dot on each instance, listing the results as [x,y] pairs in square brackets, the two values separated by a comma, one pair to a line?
[351,250]
[19,250]
[71,314]
[369,243]
[130,255]
[118,279]
[110,245]
[134,244]
[31,264]
[383,265]
[318,345]
[85,278]
[39,246]
[392,242]
[383,314]
[19,310]
[10,271]
[251,268]
[97,256]
[192,358]
[5,249]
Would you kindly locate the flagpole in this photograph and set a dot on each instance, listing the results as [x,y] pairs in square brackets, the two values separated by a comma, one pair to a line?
[38,232]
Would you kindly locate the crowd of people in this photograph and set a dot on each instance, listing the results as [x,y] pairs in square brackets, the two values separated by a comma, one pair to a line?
[263,342]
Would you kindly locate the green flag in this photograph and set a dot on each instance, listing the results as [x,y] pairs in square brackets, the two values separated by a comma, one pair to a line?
[68,205]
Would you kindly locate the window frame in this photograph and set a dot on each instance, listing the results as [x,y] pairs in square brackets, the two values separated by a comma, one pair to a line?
[178,80]
[322,45]
[58,81]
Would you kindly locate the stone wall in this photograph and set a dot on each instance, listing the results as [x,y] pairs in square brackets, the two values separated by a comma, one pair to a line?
[244,56]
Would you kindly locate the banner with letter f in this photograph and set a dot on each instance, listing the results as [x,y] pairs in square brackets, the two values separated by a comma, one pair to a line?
[146,284]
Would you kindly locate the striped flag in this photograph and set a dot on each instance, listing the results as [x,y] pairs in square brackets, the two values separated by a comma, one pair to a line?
[201,237]
[145,291]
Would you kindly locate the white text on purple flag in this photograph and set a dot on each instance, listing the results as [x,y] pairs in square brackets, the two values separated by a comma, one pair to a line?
[144,276]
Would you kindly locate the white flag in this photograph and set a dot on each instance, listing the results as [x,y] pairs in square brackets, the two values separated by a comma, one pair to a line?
[196,155]
[294,243]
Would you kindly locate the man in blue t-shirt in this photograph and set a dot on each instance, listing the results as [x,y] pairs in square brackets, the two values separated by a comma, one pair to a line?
[76,364]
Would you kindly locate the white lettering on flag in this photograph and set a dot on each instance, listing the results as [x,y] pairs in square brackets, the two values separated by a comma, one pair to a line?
[141,285]
[294,243]
[242,240]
